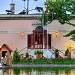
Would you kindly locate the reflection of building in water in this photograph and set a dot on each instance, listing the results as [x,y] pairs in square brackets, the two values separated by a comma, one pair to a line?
[68,72]
[19,71]
[25,72]
[5,71]
[1,72]
[36,72]
[8,71]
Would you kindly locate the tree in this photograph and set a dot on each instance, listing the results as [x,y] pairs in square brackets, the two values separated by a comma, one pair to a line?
[62,11]
[16,56]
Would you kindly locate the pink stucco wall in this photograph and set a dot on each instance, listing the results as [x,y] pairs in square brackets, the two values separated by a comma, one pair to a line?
[16,25]
[13,35]
[10,33]
[60,42]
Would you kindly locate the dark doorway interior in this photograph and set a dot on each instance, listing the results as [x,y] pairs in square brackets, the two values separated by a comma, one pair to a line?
[4,53]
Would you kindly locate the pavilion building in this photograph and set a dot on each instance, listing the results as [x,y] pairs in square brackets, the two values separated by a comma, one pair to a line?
[26,31]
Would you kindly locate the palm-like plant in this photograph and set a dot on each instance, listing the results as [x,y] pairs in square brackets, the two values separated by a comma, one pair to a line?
[38,52]
[27,55]
[56,53]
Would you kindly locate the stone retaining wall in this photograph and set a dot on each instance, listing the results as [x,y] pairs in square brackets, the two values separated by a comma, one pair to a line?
[44,65]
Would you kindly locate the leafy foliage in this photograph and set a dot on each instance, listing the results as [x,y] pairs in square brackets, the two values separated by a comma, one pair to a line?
[67,53]
[57,9]
[38,52]
[62,11]
[16,56]
[56,53]
[72,34]
[27,55]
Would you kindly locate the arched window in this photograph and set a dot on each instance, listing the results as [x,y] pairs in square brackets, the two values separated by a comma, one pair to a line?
[39,28]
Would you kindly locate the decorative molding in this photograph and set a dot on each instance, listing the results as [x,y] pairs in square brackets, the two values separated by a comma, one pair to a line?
[14,32]
[19,17]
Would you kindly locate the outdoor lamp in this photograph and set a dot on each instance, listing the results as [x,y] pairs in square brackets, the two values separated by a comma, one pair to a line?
[70,46]
[67,45]
[22,34]
[56,33]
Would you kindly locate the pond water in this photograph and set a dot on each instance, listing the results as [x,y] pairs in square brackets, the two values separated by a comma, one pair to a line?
[37,71]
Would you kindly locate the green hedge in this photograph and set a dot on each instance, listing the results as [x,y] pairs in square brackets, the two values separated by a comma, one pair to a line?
[48,61]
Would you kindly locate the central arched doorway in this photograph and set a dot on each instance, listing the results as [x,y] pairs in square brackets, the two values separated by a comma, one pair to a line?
[38,39]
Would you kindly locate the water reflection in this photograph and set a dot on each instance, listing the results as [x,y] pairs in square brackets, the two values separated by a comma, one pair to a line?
[37,71]
[5,71]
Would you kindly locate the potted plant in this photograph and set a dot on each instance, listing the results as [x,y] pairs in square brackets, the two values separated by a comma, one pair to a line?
[56,53]
[67,53]
[39,54]
[27,55]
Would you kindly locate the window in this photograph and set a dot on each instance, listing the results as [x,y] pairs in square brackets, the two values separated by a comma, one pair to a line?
[38,39]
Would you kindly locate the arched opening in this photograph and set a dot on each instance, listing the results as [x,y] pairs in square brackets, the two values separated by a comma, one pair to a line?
[39,28]
[38,39]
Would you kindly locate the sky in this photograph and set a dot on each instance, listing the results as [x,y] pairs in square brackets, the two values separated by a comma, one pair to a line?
[19,5]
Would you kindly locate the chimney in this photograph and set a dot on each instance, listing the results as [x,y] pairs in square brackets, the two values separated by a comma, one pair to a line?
[12,8]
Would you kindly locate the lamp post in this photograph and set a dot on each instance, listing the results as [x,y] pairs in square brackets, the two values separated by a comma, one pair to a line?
[27,6]
[24,3]
[27,9]
[12,1]
[47,22]
[56,33]
[41,9]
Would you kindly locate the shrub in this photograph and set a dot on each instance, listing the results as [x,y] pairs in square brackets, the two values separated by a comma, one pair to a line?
[38,52]
[16,56]
[27,55]
[56,53]
[67,52]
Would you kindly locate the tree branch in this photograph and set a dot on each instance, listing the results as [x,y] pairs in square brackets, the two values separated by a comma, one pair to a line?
[68,22]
